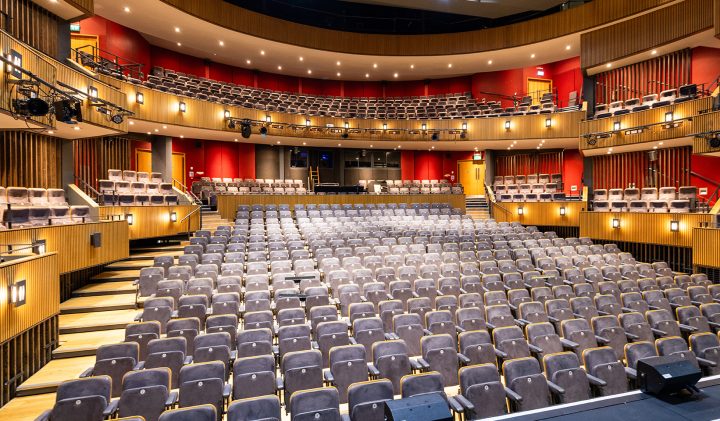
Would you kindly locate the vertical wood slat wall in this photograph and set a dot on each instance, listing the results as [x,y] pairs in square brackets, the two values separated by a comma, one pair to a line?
[615,171]
[30,23]
[94,156]
[529,163]
[644,78]
[30,159]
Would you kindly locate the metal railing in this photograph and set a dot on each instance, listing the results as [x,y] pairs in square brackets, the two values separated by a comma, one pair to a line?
[187,217]
[105,62]
[189,192]
[492,201]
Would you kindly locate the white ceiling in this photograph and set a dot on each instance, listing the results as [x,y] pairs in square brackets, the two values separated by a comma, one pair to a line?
[157,22]
[482,8]
[60,8]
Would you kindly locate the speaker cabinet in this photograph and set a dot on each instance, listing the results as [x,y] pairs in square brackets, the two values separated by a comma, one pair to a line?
[667,375]
[429,407]
[96,239]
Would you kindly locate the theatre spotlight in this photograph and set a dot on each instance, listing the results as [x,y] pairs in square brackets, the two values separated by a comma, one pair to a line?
[263,130]
[714,141]
[231,124]
[117,118]
[66,111]
[245,129]
[435,137]
[30,107]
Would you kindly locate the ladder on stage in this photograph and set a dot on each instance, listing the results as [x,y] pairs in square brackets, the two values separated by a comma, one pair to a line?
[313,178]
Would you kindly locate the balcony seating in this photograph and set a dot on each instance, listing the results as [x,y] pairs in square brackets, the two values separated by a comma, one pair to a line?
[22,207]
[130,188]
[649,199]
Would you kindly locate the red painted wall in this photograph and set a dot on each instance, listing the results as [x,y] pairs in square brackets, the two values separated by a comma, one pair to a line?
[407,165]
[430,165]
[705,65]
[572,171]
[706,166]
[117,39]
[217,159]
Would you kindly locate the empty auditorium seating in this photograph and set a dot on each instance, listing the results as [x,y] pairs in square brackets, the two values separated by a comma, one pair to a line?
[22,207]
[131,188]
[633,105]
[649,199]
[530,188]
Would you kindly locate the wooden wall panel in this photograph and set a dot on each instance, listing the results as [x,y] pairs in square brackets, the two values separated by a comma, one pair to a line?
[647,77]
[573,20]
[30,159]
[30,23]
[702,146]
[706,247]
[95,156]
[644,32]
[86,6]
[227,204]
[646,228]
[43,294]
[72,243]
[703,119]
[154,221]
[525,163]
[616,171]
[545,214]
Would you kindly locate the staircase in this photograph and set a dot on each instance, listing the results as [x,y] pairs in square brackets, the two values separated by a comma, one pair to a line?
[477,207]
[211,219]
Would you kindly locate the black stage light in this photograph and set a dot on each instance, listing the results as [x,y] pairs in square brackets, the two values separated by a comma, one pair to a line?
[245,130]
[117,119]
[434,137]
[345,135]
[231,124]
[714,141]
[263,130]
[30,107]
[66,111]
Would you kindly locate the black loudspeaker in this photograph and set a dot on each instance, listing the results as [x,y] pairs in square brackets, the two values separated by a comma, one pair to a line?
[667,375]
[714,141]
[429,407]
[96,239]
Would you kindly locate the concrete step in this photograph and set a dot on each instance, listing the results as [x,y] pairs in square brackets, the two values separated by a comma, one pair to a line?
[116,275]
[98,303]
[106,288]
[96,321]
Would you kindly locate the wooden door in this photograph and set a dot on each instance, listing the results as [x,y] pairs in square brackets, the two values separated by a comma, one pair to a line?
[178,169]
[86,43]
[537,87]
[143,160]
[471,175]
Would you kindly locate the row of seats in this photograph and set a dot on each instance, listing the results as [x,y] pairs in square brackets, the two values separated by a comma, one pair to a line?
[509,180]
[648,199]
[22,207]
[309,309]
[666,97]
[131,188]
[133,176]
[532,197]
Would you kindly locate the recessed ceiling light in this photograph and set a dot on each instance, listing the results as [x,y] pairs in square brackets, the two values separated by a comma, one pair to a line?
[367,74]
[395,75]
[399,146]
[179,44]
[131,123]
[248,61]
[337,63]
[339,144]
[148,133]
[156,130]
[304,143]
[653,52]
[301,58]
[608,65]
[177,29]
[371,146]
[309,71]
[412,66]
[449,65]
[236,140]
[279,67]
[567,47]
[338,74]
[532,55]
[262,52]
[50,132]
[489,61]
[126,9]
[222,43]
[374,65]
[164,127]
[278,142]
[182,136]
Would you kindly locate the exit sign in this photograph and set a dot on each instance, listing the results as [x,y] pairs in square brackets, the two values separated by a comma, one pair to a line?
[74,27]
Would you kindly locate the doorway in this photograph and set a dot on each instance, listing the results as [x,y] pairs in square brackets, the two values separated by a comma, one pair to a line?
[143,160]
[86,43]
[178,170]
[471,175]
[537,87]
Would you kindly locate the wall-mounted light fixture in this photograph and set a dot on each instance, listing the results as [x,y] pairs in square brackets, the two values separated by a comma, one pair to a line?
[674,226]
[616,223]
[140,98]
[307,123]
[384,126]
[669,117]
[616,126]
[507,124]
[563,211]
[226,113]
[464,126]
[130,218]
[424,126]
[173,216]
[268,119]
[347,125]
[39,247]
[521,211]
[182,107]
[548,122]
[92,92]
[18,293]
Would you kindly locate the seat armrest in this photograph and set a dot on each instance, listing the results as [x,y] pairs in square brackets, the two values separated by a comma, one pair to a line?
[111,409]
[87,373]
[596,381]
[352,340]
[522,322]
[463,359]
[462,400]
[706,362]
[569,344]
[602,339]
[227,390]
[276,350]
[188,360]
[459,329]
[373,370]
[415,364]
[512,395]
[138,317]
[631,373]
[631,336]
[555,388]
[45,416]
[553,319]
[490,325]
[500,354]
[174,314]
[686,328]
[534,348]
[172,399]
[426,332]
[658,332]
[391,336]
[233,355]
[139,366]
[327,375]
[455,405]
[345,417]
[714,325]
[424,364]
[279,384]
[314,345]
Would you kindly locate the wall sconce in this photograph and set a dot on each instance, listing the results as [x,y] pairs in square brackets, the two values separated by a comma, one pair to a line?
[616,126]
[268,119]
[616,223]
[424,126]
[507,124]
[226,113]
[563,211]
[39,247]
[464,126]
[307,123]
[521,211]
[548,122]
[92,92]
[182,107]
[129,218]
[669,117]
[674,226]
[347,125]
[384,126]
[173,216]
[140,98]
[18,293]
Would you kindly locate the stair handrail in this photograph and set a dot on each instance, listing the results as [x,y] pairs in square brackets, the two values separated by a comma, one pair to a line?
[196,200]
[87,185]
[186,217]
[491,196]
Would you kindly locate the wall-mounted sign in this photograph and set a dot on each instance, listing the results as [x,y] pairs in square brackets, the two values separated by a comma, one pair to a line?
[74,27]
[477,156]
[573,188]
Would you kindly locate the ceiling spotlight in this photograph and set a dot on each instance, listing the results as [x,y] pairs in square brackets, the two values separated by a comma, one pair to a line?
[489,61]
[338,74]
[567,47]
[309,71]
[532,55]
[449,65]
[30,107]
[412,66]
[262,52]
[301,58]
[177,29]
[248,61]
[374,65]
[337,63]
[653,52]
[395,75]
[367,75]
[279,67]
[179,44]
[126,9]
[117,118]
[609,65]
[222,43]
